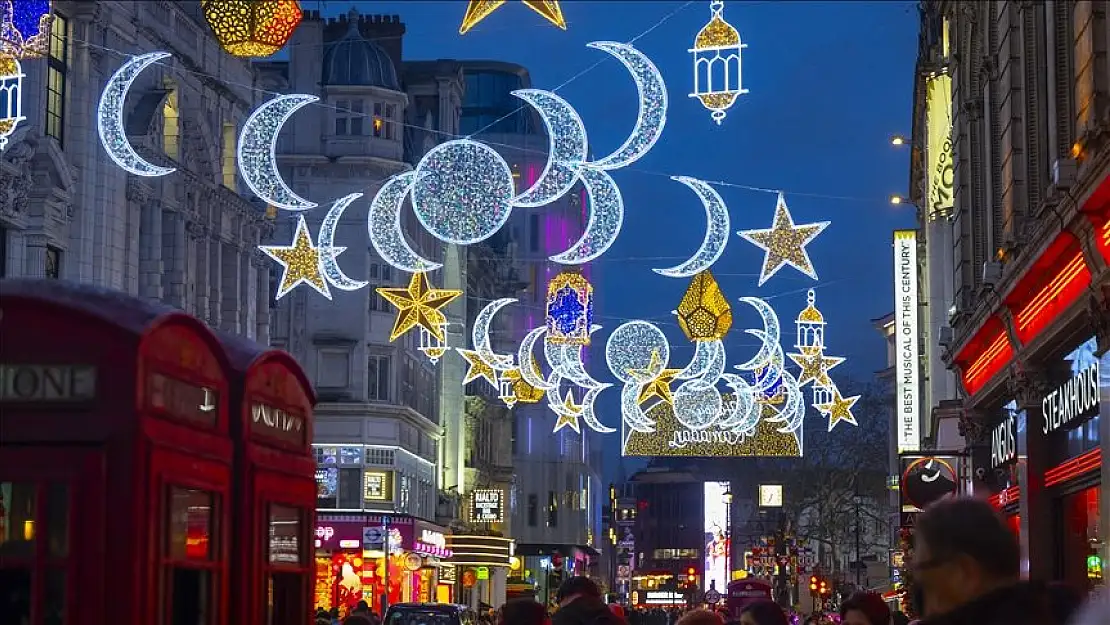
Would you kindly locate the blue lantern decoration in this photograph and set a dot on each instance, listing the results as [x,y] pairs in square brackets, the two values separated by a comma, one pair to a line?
[570,309]
[774,392]
[25,27]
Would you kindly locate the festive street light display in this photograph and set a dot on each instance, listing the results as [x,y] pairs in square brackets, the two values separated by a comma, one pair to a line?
[25,27]
[252,28]
[717,70]
[570,309]
[11,97]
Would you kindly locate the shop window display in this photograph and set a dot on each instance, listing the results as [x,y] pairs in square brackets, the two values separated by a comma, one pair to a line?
[1081,539]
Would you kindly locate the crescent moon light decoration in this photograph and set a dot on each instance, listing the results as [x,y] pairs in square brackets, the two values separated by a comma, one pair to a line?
[257,152]
[716,232]
[569,148]
[109,118]
[604,224]
[631,412]
[384,224]
[652,115]
[588,416]
[524,354]
[745,411]
[480,335]
[328,251]
[770,335]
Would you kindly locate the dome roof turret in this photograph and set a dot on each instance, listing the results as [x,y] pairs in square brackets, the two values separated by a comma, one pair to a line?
[356,61]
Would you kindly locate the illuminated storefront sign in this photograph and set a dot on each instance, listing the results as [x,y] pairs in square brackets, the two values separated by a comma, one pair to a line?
[432,543]
[938,124]
[41,383]
[488,506]
[1073,401]
[716,535]
[1004,442]
[906,333]
[377,486]
[663,598]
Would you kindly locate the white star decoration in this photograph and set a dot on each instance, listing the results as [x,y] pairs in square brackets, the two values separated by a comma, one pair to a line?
[784,243]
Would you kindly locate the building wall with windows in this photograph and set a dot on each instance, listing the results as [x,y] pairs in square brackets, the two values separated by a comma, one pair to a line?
[68,211]
[378,421]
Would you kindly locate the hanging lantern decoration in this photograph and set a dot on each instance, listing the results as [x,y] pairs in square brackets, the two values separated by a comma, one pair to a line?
[717,70]
[431,343]
[570,309]
[704,313]
[252,28]
[25,28]
[522,391]
[11,97]
[505,388]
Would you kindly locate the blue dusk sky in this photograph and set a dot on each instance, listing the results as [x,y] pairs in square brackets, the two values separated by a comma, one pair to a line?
[829,83]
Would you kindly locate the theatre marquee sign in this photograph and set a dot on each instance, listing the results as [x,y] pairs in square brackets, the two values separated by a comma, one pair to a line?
[1073,401]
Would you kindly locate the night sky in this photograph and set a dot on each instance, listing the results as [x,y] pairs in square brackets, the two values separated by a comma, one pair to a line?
[829,84]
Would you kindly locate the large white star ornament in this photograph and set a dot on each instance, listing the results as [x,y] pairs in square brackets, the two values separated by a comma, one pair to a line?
[784,243]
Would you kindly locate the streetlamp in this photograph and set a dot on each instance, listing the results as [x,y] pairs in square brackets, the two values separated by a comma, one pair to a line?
[898,199]
[898,140]
[728,536]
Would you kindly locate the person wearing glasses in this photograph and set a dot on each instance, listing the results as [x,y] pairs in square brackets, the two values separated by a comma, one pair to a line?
[967,564]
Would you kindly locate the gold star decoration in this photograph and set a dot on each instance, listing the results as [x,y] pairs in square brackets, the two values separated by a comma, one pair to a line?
[418,305]
[784,243]
[300,262]
[647,374]
[478,10]
[570,418]
[479,368]
[839,409]
[814,365]
[659,387]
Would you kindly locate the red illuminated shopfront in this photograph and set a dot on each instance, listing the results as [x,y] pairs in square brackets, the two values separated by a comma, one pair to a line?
[351,564]
[276,489]
[116,463]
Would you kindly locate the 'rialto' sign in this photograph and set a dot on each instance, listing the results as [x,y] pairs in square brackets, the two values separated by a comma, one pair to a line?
[1074,400]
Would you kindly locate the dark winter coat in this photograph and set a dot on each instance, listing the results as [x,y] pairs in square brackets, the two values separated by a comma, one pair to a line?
[1024,603]
[585,611]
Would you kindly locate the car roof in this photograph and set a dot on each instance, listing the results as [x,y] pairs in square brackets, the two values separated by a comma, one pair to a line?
[438,606]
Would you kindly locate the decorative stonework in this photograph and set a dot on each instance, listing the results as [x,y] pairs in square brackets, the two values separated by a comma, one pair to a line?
[1027,385]
[972,427]
[1098,316]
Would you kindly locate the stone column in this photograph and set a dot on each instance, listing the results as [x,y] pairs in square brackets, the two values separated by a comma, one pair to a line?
[199,247]
[150,241]
[1028,387]
[175,246]
[34,258]
[215,249]
[231,308]
[262,297]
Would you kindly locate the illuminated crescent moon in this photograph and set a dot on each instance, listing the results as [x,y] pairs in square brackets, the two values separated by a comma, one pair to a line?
[257,153]
[326,244]
[653,105]
[794,409]
[480,335]
[588,416]
[707,364]
[568,148]
[770,334]
[745,411]
[604,224]
[109,118]
[716,231]
[631,412]
[384,224]
[524,355]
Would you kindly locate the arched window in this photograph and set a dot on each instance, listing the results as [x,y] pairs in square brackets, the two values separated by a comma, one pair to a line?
[171,126]
[229,156]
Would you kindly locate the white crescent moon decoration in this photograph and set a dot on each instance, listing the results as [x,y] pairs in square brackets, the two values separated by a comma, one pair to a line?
[328,251]
[794,408]
[525,354]
[109,118]
[569,147]
[604,224]
[745,411]
[652,115]
[480,335]
[631,412]
[716,232]
[384,224]
[257,152]
[588,416]
[769,336]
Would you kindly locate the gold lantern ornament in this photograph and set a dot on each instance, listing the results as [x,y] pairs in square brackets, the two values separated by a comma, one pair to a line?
[704,313]
[11,96]
[252,28]
[717,69]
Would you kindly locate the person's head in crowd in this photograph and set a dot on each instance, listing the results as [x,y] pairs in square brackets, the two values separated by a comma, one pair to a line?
[701,617]
[1063,601]
[763,612]
[865,608]
[575,588]
[523,612]
[962,551]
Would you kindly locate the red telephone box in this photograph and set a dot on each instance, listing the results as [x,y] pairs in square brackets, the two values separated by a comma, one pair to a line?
[115,460]
[275,485]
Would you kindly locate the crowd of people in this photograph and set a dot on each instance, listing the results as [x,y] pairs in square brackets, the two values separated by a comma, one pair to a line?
[966,566]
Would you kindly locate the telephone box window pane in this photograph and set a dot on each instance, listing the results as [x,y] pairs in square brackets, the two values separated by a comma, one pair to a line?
[285,535]
[57,520]
[54,602]
[190,524]
[15,600]
[286,599]
[17,520]
[190,597]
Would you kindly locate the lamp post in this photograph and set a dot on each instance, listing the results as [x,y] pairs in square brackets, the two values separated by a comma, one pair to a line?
[728,536]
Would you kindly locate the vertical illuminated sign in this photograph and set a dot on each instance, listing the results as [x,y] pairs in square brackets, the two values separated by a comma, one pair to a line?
[907,360]
[716,536]
[938,128]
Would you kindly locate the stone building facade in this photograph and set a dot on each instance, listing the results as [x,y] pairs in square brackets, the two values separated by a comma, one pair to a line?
[68,211]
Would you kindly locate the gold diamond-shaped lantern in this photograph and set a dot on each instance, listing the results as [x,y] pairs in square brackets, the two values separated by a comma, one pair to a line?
[252,28]
[704,313]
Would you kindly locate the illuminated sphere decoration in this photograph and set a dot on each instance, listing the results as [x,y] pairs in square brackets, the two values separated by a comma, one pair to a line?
[11,96]
[570,309]
[704,313]
[717,71]
[252,28]
[25,27]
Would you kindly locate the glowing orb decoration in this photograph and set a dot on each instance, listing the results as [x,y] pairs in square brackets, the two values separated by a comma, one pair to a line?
[11,97]
[637,346]
[570,309]
[717,69]
[25,28]
[696,405]
[109,118]
[252,28]
[704,314]
[463,192]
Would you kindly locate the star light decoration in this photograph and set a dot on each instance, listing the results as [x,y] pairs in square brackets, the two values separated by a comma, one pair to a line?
[784,243]
[522,391]
[477,368]
[478,10]
[704,313]
[839,409]
[570,309]
[418,305]
[815,365]
[25,28]
[252,28]
[569,415]
[300,262]
[659,387]
[717,54]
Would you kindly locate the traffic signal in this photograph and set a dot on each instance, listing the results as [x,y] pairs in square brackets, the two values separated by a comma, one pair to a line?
[691,575]
[813,583]
[823,589]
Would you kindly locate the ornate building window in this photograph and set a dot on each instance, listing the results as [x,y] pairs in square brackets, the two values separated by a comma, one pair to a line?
[57,69]
[229,156]
[53,262]
[377,378]
[171,125]
[356,118]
